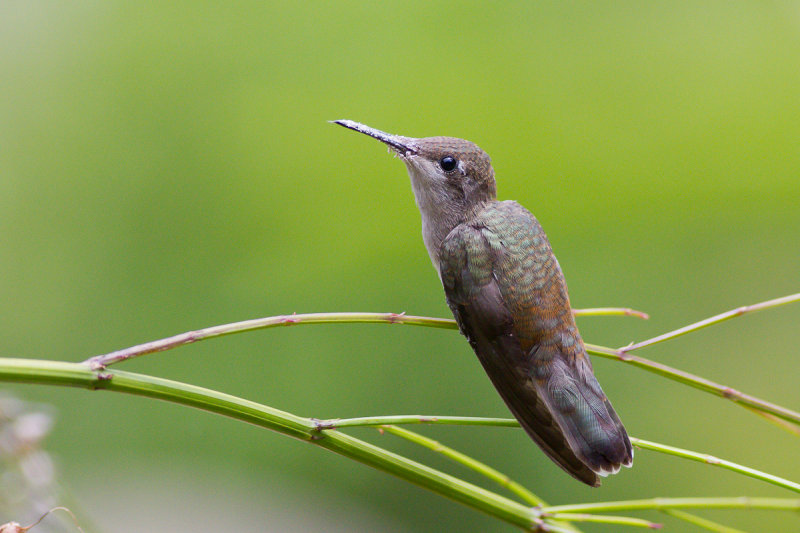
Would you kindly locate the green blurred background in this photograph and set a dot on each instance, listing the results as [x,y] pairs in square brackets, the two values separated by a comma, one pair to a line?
[168,166]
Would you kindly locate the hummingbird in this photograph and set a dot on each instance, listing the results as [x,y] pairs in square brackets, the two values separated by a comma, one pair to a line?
[509,298]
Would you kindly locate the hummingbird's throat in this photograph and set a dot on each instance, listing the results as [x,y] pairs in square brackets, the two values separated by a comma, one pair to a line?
[439,210]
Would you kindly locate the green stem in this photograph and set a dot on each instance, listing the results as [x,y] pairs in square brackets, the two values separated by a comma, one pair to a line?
[772,419]
[715,461]
[777,504]
[697,382]
[722,317]
[699,521]
[485,470]
[336,423]
[102,361]
[80,375]
[605,519]
[189,337]
[610,311]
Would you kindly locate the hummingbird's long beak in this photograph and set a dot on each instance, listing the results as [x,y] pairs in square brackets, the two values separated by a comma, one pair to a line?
[402,145]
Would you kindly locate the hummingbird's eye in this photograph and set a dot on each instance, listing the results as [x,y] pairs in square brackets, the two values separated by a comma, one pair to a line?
[447,163]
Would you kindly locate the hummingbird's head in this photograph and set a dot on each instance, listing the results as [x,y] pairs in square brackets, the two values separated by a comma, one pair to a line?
[446,173]
[452,180]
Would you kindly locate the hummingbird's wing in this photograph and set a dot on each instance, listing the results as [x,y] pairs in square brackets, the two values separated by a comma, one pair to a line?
[507,294]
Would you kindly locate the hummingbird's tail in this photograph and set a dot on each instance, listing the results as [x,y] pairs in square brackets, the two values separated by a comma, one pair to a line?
[592,428]
[562,409]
